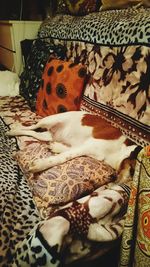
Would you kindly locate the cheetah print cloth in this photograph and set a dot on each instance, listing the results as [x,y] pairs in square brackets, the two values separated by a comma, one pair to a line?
[18,214]
[115,27]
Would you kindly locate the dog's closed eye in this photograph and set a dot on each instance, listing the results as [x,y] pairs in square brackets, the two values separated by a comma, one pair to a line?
[40,130]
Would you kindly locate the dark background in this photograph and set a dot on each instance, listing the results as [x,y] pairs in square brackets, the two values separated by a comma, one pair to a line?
[31,9]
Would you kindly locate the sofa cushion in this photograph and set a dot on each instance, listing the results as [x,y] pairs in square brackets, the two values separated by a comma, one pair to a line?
[61,88]
[65,182]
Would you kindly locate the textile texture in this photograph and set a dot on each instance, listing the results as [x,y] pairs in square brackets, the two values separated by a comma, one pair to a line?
[18,213]
[62,87]
[115,27]
[137,253]
[116,45]
[67,182]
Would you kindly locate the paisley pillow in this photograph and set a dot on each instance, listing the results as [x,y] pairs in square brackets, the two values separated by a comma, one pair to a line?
[66,182]
[61,89]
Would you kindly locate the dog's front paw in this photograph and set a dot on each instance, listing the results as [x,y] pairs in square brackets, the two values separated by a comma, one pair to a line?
[36,166]
[57,147]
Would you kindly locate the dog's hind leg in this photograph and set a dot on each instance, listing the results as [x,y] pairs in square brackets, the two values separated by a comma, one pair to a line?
[43,136]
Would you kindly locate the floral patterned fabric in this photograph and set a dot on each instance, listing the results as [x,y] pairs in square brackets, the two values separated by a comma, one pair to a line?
[117,80]
[117,75]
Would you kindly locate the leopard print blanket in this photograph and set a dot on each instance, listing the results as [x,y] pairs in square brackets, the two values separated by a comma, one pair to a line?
[116,27]
[18,214]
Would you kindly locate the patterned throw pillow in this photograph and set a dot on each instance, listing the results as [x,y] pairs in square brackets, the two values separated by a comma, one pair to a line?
[32,74]
[61,88]
[117,4]
[82,7]
[66,182]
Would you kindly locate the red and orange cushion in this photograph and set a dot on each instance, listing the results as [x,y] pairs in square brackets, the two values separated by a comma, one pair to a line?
[61,89]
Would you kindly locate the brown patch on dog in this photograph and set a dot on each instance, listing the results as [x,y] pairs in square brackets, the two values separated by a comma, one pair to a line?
[101,128]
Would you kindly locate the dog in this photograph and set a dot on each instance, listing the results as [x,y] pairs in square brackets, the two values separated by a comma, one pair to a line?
[79,133]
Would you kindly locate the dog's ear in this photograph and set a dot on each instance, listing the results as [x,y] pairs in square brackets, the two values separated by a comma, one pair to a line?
[126,169]
[135,152]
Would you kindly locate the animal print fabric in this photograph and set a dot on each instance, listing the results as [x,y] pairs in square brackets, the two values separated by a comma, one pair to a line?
[115,27]
[33,251]
[18,213]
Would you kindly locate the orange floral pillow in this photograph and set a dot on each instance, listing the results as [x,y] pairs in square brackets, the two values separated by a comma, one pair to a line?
[61,88]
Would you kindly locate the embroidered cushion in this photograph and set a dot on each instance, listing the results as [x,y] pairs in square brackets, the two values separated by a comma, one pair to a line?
[65,182]
[61,88]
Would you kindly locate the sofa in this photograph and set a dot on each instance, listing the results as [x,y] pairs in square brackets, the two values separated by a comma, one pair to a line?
[48,218]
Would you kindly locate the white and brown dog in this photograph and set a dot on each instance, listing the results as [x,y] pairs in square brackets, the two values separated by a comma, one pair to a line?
[77,133]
